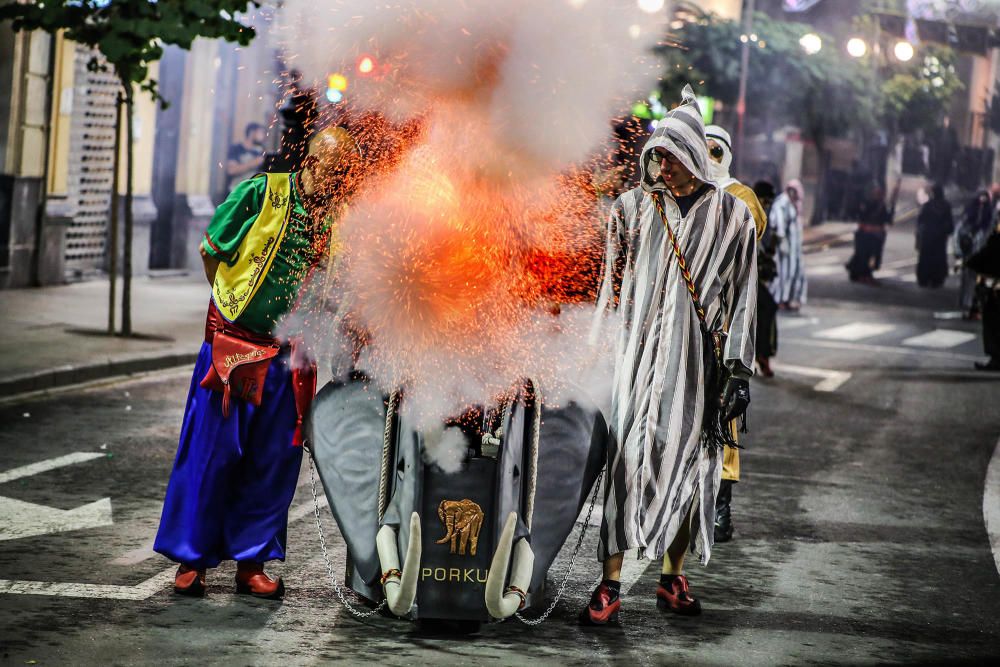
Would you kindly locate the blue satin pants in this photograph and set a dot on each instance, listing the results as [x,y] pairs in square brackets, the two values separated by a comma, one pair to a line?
[234,477]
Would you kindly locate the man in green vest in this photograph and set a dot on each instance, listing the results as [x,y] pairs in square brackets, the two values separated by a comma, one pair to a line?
[238,459]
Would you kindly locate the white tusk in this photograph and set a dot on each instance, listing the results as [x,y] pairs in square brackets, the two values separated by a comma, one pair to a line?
[400,590]
[501,600]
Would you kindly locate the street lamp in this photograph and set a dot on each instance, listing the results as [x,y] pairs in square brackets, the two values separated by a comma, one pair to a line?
[903,51]
[811,43]
[651,6]
[857,47]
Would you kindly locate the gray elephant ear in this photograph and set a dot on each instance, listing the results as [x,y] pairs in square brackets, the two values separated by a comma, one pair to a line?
[572,447]
[346,430]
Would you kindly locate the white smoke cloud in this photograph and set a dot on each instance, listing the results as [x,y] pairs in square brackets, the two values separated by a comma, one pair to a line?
[437,266]
[548,74]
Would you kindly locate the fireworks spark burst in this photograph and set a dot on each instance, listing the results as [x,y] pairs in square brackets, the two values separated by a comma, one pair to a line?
[455,262]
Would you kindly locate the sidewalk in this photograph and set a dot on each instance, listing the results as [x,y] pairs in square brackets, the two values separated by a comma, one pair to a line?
[834,233]
[53,336]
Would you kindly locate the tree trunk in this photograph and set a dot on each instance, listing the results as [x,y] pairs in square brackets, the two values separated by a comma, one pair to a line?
[127,250]
[113,232]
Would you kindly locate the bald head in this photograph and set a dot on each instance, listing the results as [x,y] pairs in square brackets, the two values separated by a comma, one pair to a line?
[331,166]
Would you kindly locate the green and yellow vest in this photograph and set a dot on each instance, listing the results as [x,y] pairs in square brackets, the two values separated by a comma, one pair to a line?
[259,283]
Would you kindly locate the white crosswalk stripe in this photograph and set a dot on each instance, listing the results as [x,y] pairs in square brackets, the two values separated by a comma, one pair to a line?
[788,323]
[855,331]
[940,339]
[825,270]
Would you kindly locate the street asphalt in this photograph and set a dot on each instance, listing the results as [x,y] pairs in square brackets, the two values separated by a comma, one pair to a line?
[860,530]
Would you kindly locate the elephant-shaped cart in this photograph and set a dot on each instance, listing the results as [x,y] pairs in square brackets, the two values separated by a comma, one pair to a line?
[472,545]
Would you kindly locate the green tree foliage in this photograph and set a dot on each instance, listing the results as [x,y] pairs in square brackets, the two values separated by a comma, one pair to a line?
[128,36]
[131,34]
[915,96]
[825,94]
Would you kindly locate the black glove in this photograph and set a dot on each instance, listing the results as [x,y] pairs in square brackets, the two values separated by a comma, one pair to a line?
[735,399]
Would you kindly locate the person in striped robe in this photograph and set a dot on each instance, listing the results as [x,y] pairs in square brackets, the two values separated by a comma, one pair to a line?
[662,475]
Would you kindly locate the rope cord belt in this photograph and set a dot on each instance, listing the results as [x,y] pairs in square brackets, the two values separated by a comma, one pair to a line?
[685,271]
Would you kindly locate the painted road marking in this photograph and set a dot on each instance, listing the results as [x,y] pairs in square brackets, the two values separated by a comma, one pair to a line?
[880,349]
[19,519]
[786,323]
[855,331]
[141,591]
[991,504]
[832,380]
[940,338]
[49,464]
[825,270]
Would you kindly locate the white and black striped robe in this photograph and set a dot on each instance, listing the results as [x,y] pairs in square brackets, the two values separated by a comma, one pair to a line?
[658,468]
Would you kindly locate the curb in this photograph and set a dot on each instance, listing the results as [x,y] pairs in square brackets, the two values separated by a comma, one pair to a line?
[62,376]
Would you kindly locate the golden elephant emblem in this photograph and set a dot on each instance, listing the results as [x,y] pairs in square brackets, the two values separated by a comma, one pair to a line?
[462,520]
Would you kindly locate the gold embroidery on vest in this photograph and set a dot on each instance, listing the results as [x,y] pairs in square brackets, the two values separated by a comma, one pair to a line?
[277,199]
[237,283]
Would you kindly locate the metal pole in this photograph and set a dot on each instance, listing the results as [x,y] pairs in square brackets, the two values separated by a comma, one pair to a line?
[113,232]
[741,103]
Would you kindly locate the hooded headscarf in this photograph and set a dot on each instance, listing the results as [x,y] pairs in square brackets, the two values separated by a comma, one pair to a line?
[796,184]
[719,171]
[682,133]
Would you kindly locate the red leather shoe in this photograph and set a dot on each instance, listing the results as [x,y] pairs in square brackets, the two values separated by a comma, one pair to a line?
[676,597]
[603,608]
[190,581]
[251,580]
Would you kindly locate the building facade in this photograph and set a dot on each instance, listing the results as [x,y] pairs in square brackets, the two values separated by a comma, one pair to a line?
[57,152]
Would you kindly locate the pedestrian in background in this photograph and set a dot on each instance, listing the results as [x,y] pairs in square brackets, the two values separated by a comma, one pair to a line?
[246,157]
[986,263]
[869,238]
[767,270]
[789,285]
[720,158]
[973,230]
[934,226]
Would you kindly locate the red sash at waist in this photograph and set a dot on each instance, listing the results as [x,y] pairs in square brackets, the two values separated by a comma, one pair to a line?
[253,352]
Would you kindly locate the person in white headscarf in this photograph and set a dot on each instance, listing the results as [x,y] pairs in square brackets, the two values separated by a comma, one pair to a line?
[720,153]
[680,265]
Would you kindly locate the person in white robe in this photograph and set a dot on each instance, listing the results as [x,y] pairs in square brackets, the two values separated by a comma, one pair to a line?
[789,287]
[664,460]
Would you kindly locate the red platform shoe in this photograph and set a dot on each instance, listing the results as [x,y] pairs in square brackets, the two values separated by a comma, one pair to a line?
[603,608]
[673,594]
[251,580]
[190,581]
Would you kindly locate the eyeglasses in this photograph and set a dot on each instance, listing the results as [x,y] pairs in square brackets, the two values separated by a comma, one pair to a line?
[660,155]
